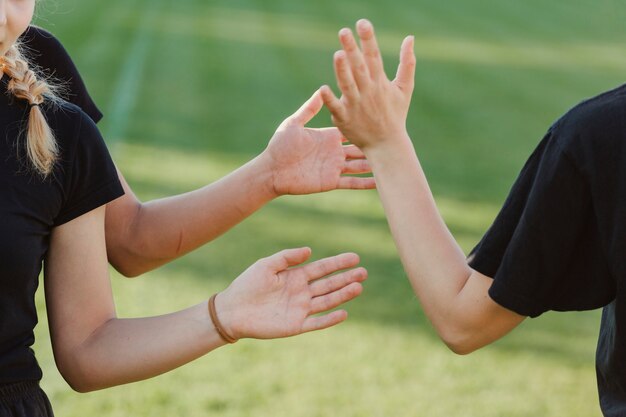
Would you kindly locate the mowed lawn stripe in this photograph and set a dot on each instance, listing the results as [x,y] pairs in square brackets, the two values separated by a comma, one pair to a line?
[216,79]
[129,78]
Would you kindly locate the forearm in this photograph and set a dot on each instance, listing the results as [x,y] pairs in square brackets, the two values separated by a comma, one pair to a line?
[454,297]
[162,230]
[127,350]
[297,160]
[277,296]
[435,264]
[372,114]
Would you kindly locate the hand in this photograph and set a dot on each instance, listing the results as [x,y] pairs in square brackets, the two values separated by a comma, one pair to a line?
[305,160]
[271,300]
[372,110]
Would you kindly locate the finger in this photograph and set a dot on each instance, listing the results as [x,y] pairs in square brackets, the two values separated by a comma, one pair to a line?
[371,52]
[336,298]
[356,183]
[324,322]
[345,78]
[355,57]
[288,257]
[353,152]
[330,133]
[356,166]
[337,282]
[406,69]
[321,268]
[307,111]
[334,105]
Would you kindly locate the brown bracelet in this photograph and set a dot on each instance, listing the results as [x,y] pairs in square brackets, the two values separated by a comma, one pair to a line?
[216,322]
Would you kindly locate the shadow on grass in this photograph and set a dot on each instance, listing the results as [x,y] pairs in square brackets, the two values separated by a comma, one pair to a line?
[388,299]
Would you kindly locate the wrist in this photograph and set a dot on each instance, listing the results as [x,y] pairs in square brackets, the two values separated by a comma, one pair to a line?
[392,145]
[262,177]
[223,317]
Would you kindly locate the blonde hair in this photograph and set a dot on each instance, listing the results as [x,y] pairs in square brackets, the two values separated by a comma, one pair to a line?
[41,145]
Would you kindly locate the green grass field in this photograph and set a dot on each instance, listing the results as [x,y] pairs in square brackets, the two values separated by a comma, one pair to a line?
[192,89]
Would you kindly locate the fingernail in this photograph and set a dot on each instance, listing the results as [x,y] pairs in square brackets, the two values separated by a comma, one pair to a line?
[364,23]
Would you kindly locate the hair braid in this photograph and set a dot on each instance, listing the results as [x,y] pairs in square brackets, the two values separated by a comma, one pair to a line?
[41,144]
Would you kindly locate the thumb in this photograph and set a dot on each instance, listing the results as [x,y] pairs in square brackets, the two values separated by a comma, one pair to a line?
[307,111]
[406,70]
[288,257]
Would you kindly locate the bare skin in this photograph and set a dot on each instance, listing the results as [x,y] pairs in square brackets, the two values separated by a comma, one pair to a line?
[275,297]
[95,349]
[297,160]
[372,113]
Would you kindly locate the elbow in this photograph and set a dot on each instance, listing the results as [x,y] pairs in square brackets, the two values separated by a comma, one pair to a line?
[461,342]
[460,348]
[135,256]
[121,256]
[80,370]
[127,259]
[127,268]
[83,363]
[126,248]
[79,387]
[84,387]
[77,377]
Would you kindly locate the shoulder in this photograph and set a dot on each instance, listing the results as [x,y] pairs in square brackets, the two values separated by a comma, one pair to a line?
[63,115]
[84,169]
[601,112]
[594,126]
[84,161]
[38,40]
[43,48]
[51,58]
[71,125]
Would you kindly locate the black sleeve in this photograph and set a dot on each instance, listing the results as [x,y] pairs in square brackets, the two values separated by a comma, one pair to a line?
[543,249]
[90,176]
[47,53]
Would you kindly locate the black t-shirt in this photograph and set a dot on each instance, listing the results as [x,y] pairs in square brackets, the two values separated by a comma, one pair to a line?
[30,207]
[47,53]
[559,242]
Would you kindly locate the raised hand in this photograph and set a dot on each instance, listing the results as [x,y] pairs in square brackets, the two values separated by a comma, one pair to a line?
[372,109]
[276,298]
[306,160]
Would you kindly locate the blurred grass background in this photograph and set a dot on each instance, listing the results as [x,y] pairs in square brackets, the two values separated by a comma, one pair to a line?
[192,89]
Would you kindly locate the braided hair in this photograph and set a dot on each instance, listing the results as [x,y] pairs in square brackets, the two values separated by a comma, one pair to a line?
[41,145]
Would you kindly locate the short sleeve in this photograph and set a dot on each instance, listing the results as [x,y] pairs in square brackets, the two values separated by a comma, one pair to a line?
[90,177]
[543,250]
[47,52]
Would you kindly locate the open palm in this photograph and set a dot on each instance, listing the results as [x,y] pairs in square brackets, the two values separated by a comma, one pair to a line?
[278,297]
[307,160]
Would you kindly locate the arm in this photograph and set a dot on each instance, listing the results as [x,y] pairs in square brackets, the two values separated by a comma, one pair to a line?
[372,114]
[142,236]
[94,349]
[297,160]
